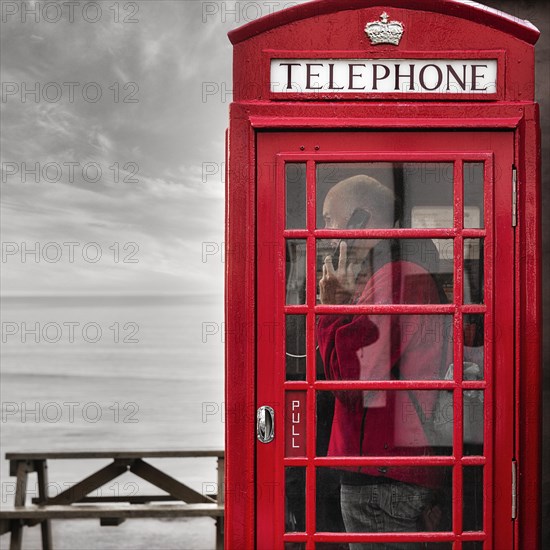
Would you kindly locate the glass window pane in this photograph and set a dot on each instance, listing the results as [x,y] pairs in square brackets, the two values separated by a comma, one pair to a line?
[445,276]
[295,499]
[472,498]
[473,421]
[428,194]
[389,423]
[296,271]
[396,499]
[295,185]
[328,511]
[391,193]
[295,350]
[295,546]
[474,337]
[383,271]
[384,347]
[473,271]
[472,545]
[473,194]
[325,413]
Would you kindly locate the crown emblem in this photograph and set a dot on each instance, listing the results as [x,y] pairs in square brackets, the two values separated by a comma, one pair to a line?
[384,32]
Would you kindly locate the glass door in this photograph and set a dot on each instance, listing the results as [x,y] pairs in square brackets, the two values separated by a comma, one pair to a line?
[385,340]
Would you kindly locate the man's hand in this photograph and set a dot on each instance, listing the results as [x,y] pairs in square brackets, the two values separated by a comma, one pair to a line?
[338,286]
[432,516]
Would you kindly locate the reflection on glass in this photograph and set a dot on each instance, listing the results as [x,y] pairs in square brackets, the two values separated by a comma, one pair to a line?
[295,546]
[412,194]
[389,423]
[473,271]
[472,545]
[474,337]
[428,194]
[325,413]
[410,498]
[472,498]
[473,194]
[296,271]
[328,512]
[295,186]
[444,277]
[295,499]
[383,271]
[384,347]
[295,350]
[473,419]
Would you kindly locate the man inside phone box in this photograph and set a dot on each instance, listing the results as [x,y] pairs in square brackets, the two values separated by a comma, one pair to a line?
[382,347]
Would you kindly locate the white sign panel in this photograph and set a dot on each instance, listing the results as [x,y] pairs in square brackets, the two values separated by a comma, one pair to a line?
[430,217]
[384,76]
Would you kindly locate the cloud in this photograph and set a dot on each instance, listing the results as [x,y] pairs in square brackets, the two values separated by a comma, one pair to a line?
[152,133]
[156,229]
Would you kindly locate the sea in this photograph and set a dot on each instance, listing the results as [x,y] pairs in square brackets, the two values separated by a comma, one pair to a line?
[113,372]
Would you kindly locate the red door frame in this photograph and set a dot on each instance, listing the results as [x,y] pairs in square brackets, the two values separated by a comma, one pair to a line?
[247,120]
[439,147]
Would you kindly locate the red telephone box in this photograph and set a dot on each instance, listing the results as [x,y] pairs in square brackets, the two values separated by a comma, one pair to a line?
[383,279]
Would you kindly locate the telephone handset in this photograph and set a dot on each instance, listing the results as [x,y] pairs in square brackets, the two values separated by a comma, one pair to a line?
[359,220]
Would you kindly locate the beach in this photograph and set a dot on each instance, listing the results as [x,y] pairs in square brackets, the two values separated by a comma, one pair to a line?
[106,372]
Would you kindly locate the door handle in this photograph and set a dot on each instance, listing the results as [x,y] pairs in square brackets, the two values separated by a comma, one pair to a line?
[265,424]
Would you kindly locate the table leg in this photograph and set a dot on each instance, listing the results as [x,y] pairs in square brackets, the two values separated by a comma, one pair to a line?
[22,470]
[16,537]
[41,467]
[221,500]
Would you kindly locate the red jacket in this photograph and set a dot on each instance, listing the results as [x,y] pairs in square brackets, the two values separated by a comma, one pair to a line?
[368,347]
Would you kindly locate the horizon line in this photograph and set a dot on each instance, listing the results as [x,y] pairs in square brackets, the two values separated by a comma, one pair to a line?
[108,295]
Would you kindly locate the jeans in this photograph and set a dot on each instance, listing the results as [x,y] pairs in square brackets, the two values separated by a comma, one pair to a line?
[384,508]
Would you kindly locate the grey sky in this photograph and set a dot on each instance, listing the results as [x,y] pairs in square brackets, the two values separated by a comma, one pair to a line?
[158,128]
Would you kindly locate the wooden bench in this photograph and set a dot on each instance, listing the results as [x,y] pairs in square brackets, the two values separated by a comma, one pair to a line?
[75,502]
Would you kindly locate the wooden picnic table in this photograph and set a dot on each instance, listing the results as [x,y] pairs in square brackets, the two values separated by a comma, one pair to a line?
[76,502]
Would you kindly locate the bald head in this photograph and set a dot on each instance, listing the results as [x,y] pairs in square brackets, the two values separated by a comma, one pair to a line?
[361,192]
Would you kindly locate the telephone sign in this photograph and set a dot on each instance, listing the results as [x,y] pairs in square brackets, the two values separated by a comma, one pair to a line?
[462,76]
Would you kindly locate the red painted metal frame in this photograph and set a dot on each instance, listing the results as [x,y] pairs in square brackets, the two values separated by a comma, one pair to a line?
[520,29]
[528,427]
[320,26]
[528,433]
[459,233]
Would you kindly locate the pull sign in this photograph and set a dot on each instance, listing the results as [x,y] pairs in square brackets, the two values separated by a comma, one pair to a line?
[265,427]
[295,423]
